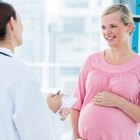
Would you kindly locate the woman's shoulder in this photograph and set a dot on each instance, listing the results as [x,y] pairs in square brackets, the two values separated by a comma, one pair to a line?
[136,60]
[93,60]
[136,64]
[95,56]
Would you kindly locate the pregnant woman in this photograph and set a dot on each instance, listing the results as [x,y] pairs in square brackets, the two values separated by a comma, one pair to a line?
[108,87]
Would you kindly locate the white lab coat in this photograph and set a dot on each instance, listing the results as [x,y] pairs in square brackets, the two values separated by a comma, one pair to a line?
[24,114]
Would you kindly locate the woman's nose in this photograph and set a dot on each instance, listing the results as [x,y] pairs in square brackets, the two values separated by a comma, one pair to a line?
[107,31]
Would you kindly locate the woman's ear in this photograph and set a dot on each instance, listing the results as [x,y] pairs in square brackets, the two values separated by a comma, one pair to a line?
[131,27]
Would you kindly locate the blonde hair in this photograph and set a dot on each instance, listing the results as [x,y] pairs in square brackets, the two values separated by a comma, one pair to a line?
[126,16]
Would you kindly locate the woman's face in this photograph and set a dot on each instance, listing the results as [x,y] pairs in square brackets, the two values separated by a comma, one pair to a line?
[113,30]
[18,31]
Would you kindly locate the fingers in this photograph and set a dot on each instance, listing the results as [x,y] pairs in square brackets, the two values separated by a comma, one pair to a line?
[98,97]
[61,95]
[55,95]
[64,112]
[95,99]
[50,95]
[54,102]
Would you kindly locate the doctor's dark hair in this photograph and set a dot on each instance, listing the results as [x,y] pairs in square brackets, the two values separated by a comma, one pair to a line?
[6,12]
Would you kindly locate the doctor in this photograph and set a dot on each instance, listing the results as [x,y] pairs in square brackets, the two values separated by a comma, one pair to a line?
[24,114]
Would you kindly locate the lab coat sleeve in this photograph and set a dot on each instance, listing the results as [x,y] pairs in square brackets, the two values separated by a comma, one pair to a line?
[32,118]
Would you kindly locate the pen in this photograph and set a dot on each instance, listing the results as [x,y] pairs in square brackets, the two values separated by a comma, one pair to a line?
[58,92]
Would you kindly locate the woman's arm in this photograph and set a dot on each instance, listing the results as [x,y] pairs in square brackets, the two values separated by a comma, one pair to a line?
[132,110]
[112,100]
[74,119]
[80,93]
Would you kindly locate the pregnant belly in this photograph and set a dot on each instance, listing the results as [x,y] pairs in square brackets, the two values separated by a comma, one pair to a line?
[97,120]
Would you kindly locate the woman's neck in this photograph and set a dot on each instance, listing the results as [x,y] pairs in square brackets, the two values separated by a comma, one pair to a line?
[118,56]
[118,53]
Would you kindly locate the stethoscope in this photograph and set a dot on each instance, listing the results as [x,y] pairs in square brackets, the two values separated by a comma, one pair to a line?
[5,54]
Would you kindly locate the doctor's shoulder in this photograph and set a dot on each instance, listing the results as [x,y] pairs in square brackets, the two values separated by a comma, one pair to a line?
[23,71]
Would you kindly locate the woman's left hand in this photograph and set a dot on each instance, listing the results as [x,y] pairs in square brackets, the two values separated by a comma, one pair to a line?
[64,112]
[106,98]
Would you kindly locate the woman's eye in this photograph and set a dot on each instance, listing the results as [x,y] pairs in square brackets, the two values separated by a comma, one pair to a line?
[103,27]
[113,26]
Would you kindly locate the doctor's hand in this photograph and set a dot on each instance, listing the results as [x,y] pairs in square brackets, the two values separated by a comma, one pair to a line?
[64,112]
[54,101]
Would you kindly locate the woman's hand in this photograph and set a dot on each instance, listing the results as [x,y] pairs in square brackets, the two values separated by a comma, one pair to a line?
[64,112]
[54,102]
[109,99]
[79,139]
